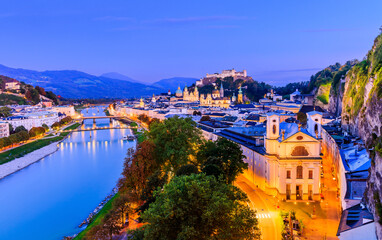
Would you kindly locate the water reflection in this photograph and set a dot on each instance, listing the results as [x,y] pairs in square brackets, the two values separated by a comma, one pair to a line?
[48,199]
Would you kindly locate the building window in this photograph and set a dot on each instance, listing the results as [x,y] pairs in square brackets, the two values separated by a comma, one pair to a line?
[300,137]
[315,128]
[300,151]
[288,174]
[274,129]
[299,172]
[310,174]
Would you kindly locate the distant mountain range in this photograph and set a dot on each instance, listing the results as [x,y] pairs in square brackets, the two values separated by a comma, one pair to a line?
[118,76]
[76,84]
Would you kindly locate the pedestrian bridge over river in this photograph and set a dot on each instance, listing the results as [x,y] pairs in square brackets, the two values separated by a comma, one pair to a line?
[81,119]
[97,128]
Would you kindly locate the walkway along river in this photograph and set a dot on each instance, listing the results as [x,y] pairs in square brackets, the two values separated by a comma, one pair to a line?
[50,198]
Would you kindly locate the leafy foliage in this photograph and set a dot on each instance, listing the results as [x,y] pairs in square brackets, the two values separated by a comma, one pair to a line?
[359,75]
[187,170]
[176,141]
[138,166]
[5,112]
[200,207]
[226,155]
[36,131]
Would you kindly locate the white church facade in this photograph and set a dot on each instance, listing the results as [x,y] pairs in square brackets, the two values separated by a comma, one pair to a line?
[288,165]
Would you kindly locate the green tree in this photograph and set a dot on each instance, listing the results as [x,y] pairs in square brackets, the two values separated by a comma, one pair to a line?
[156,181]
[33,95]
[176,142]
[226,155]
[187,169]
[2,143]
[122,206]
[138,166]
[200,207]
[5,112]
[14,139]
[302,118]
[7,142]
[20,128]
[109,226]
[46,127]
[24,135]
[40,90]
[56,125]
[52,96]
[36,131]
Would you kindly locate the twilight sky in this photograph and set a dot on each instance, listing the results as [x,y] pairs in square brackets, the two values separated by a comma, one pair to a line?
[276,41]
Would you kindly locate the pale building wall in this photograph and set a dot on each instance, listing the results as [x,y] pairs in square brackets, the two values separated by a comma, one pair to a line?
[331,152]
[4,129]
[363,232]
[67,110]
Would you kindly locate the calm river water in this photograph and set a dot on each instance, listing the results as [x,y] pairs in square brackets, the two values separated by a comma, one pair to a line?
[50,198]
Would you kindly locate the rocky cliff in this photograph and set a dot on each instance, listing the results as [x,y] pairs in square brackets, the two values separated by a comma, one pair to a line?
[327,85]
[362,115]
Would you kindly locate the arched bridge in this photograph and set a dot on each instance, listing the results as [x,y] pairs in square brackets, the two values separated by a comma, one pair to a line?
[80,119]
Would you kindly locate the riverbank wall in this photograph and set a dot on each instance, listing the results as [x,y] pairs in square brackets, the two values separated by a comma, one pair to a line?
[13,166]
[18,164]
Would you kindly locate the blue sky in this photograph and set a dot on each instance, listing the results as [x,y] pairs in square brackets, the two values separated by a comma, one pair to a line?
[276,41]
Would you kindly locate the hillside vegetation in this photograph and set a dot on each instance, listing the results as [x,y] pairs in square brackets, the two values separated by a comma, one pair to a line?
[363,80]
[325,84]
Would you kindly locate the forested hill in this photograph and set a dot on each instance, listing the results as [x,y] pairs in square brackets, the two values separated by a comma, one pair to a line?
[26,95]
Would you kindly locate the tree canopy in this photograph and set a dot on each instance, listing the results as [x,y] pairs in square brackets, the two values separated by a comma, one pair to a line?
[5,112]
[200,207]
[222,157]
[176,142]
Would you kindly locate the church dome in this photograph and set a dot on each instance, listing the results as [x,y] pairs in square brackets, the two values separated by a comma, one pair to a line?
[179,91]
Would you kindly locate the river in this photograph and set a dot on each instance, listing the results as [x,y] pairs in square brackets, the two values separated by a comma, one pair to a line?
[50,198]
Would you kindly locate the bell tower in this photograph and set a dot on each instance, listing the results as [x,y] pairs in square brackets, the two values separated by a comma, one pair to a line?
[273,133]
[314,123]
[240,96]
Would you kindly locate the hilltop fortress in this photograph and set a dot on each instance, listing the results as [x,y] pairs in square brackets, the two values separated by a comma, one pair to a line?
[211,78]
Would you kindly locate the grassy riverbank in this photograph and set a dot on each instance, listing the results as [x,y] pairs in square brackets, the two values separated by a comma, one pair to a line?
[140,135]
[98,217]
[33,146]
[27,148]
[74,126]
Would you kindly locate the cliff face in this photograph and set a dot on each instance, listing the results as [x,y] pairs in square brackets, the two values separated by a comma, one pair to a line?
[362,116]
[327,85]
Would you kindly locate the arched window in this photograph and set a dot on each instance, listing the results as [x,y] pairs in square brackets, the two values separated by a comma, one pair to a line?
[300,151]
[315,127]
[299,172]
[274,129]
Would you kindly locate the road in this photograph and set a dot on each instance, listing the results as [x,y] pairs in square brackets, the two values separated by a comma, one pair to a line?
[265,207]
